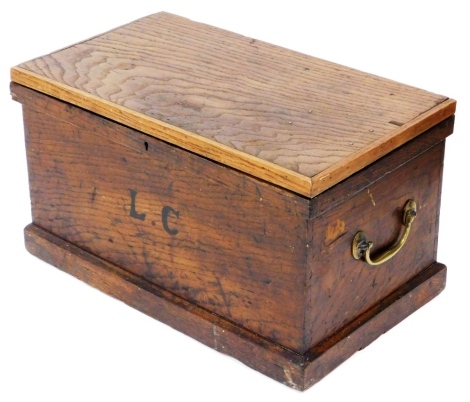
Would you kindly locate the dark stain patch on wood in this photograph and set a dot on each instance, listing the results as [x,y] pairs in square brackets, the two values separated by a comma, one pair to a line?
[93,195]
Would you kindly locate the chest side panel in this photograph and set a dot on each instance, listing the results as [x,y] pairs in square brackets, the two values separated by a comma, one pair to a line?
[229,243]
[340,287]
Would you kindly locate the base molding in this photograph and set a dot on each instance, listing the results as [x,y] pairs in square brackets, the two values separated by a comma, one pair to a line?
[283,365]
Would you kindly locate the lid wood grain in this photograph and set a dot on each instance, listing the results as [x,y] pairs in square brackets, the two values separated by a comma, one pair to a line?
[293,120]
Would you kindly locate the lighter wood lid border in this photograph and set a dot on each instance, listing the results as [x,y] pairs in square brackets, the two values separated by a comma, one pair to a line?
[429,110]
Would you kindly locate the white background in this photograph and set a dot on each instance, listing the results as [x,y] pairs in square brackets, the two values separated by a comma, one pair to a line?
[61,340]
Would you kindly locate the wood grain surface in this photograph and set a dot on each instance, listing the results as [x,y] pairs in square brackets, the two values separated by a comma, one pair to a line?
[264,258]
[297,371]
[376,171]
[339,287]
[229,243]
[290,119]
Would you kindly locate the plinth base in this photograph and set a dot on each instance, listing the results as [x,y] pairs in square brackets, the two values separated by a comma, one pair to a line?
[290,368]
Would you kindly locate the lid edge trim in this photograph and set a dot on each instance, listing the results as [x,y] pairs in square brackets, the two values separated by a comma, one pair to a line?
[221,153]
[381,147]
[257,167]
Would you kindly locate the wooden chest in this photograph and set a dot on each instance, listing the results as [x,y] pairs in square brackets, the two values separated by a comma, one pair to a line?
[232,189]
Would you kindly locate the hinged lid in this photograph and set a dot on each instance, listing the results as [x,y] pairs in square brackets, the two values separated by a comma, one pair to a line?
[290,119]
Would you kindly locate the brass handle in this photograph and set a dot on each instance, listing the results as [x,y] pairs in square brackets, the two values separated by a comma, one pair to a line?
[361,247]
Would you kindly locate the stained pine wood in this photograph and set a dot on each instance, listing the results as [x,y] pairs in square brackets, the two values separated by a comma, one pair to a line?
[266,259]
[215,182]
[290,119]
[340,288]
[294,370]
[204,232]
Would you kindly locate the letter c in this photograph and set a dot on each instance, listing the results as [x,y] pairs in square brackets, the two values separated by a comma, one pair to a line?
[165,212]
